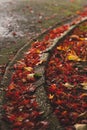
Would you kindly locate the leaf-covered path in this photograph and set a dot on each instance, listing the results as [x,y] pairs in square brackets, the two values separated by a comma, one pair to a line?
[37,97]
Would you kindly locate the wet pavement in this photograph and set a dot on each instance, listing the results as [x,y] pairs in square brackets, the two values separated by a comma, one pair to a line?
[21,20]
[17,19]
[26,17]
[9,19]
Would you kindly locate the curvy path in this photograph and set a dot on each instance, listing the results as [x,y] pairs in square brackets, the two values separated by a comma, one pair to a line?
[28,85]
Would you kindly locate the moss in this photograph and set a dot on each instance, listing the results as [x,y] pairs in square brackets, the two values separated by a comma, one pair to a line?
[83,28]
[10,50]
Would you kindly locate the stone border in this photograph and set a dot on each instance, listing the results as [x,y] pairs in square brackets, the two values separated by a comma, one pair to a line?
[23,48]
[41,96]
[40,93]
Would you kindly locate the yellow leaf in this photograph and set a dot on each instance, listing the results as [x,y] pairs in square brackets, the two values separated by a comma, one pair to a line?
[30,76]
[38,51]
[51,96]
[72,56]
[62,48]
[30,69]
[84,85]
[20,118]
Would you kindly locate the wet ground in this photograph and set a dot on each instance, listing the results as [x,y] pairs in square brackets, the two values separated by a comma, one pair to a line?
[21,20]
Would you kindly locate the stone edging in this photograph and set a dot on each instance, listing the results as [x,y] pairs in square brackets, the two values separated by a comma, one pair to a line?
[40,93]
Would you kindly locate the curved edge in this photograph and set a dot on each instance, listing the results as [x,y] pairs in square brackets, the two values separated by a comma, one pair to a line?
[51,118]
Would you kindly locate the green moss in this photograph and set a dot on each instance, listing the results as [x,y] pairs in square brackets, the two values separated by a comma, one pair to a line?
[83,28]
[10,51]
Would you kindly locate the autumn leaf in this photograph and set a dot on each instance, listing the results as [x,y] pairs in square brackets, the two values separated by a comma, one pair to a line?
[64,82]
[50,96]
[75,37]
[30,69]
[72,56]
[11,86]
[30,76]
[52,88]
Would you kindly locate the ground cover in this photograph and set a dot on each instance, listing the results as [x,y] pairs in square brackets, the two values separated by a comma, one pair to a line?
[66,78]
[29,19]
[26,114]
